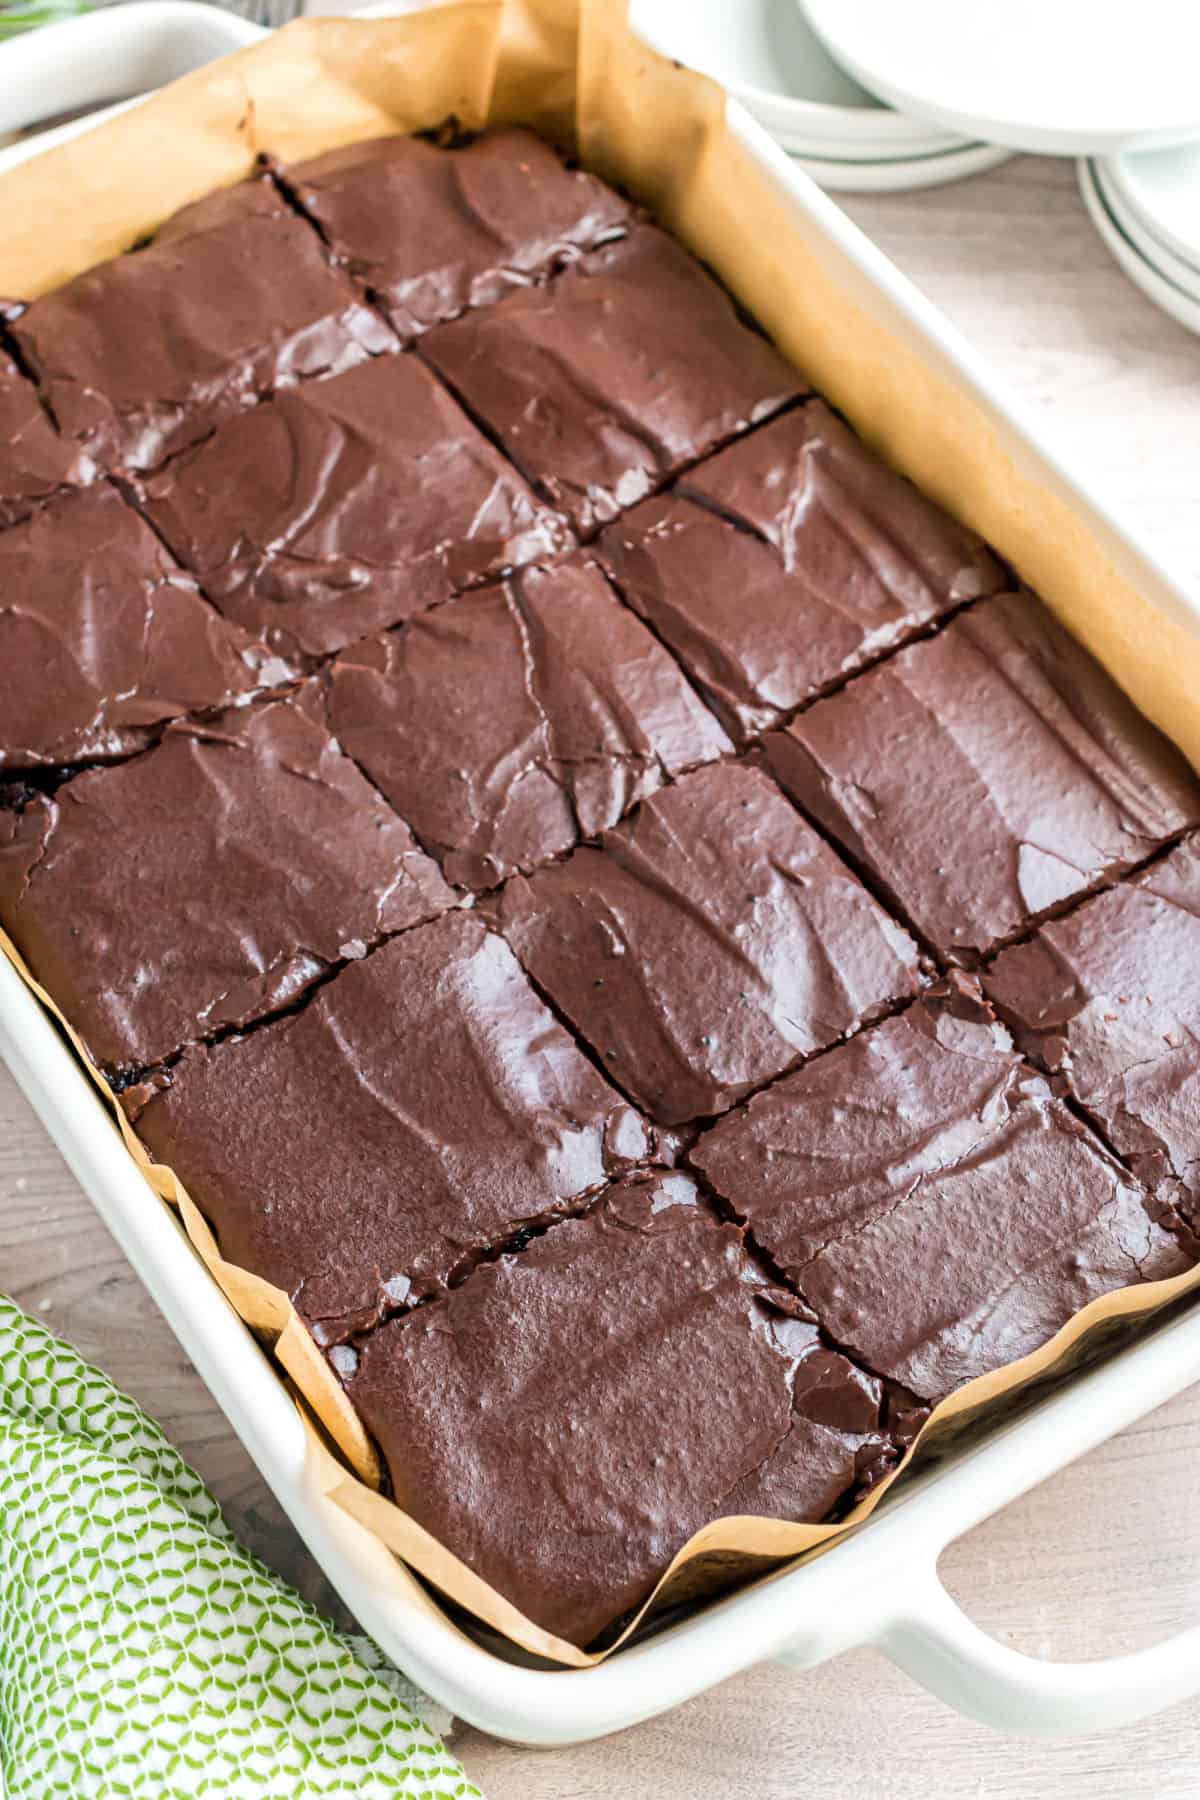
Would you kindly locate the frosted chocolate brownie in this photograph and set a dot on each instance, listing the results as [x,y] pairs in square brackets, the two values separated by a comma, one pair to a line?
[345,505]
[937,1208]
[708,943]
[432,231]
[516,720]
[787,561]
[233,297]
[1108,1000]
[987,776]
[602,385]
[208,881]
[423,1107]
[102,638]
[567,1418]
[35,462]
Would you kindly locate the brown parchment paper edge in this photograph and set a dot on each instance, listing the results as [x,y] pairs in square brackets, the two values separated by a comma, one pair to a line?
[659,130]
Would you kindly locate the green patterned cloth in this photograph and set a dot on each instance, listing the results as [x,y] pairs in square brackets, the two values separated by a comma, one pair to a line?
[143,1653]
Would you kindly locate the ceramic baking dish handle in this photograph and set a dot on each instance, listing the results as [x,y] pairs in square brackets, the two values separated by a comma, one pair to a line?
[930,1637]
[110,55]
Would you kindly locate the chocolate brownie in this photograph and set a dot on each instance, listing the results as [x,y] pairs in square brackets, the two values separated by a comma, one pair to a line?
[1109,1001]
[345,505]
[423,1106]
[102,638]
[711,941]
[603,384]
[433,231]
[787,561]
[516,720]
[568,1418]
[932,1202]
[986,776]
[208,881]
[35,462]
[235,296]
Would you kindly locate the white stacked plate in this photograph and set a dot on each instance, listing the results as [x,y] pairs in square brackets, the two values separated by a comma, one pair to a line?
[1147,210]
[764,53]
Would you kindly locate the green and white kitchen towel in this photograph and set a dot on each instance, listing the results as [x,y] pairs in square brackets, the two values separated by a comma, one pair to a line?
[143,1653]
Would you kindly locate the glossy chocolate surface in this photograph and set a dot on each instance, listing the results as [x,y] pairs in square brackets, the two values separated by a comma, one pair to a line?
[568,1418]
[708,944]
[1109,1001]
[605,383]
[938,1209]
[345,505]
[787,561]
[120,639]
[423,1106]
[516,720]
[432,231]
[987,776]
[234,297]
[35,462]
[208,881]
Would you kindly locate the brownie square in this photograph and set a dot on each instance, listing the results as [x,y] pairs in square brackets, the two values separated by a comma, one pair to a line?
[787,561]
[569,1417]
[1109,1001]
[602,385]
[712,941]
[207,882]
[987,776]
[938,1209]
[234,296]
[433,231]
[421,1108]
[518,719]
[102,638]
[35,462]
[343,506]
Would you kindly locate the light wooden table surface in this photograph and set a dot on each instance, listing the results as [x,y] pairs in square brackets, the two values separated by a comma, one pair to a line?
[1107,1556]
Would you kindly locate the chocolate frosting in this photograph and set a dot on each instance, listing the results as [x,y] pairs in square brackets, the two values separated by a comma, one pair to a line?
[1109,1000]
[513,722]
[208,881]
[788,561]
[987,776]
[119,639]
[710,942]
[346,505]
[422,1106]
[568,1418]
[938,1209]
[605,383]
[35,463]
[433,231]
[143,355]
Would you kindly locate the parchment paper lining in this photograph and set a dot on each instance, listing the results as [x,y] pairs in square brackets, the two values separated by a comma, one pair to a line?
[576,72]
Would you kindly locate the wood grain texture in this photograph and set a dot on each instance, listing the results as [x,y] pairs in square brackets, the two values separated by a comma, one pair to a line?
[1105,1557]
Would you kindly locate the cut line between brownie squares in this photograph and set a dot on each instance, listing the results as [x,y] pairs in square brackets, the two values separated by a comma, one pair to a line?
[781,565]
[225,870]
[233,298]
[501,212]
[1108,1002]
[466,1112]
[515,721]
[342,506]
[707,943]
[121,639]
[987,776]
[567,1418]
[926,1195]
[603,385]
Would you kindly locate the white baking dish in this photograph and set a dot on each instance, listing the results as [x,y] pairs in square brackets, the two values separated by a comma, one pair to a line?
[879,1585]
